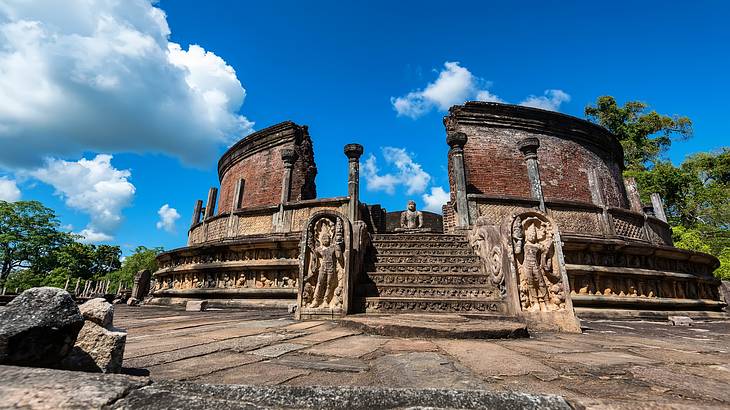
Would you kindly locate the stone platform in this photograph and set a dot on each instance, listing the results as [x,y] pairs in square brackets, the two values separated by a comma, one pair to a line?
[450,326]
[178,359]
[613,364]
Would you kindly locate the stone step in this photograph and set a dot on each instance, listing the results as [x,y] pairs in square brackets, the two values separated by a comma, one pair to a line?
[461,251]
[427,291]
[433,279]
[421,237]
[431,305]
[450,268]
[426,260]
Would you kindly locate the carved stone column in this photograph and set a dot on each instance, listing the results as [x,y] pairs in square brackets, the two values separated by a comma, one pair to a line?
[238,195]
[528,147]
[353,152]
[210,205]
[456,141]
[632,191]
[196,212]
[288,155]
[656,202]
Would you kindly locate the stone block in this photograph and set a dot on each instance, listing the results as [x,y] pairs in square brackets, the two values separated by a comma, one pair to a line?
[196,306]
[132,302]
[39,328]
[98,311]
[97,350]
[680,320]
[292,308]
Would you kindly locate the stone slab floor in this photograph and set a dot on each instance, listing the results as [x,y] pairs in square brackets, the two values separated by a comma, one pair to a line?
[613,364]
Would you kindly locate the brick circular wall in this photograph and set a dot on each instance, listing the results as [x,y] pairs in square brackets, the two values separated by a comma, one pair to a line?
[570,150]
[257,160]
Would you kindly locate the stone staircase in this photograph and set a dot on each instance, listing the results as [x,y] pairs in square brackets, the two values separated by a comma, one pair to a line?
[429,273]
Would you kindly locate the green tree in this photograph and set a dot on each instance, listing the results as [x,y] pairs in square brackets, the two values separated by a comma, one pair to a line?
[643,135]
[29,237]
[141,258]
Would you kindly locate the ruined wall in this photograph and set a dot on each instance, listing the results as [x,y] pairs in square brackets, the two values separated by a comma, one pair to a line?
[257,159]
[570,149]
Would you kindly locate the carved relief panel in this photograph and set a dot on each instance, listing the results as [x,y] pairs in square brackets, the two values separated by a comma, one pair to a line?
[538,271]
[324,265]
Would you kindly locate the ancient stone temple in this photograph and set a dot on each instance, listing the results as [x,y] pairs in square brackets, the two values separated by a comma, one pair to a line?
[540,225]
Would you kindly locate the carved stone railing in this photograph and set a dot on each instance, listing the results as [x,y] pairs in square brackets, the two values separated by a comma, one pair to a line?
[579,219]
[289,217]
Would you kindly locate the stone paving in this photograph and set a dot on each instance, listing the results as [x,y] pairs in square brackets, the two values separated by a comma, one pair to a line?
[613,364]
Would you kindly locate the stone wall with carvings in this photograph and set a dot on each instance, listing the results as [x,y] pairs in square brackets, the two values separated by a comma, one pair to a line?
[245,265]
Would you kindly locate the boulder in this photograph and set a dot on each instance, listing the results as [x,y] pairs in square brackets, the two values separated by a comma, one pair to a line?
[680,320]
[196,305]
[97,350]
[98,311]
[39,328]
[132,301]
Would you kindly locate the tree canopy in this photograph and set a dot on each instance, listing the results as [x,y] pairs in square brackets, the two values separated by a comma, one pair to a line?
[696,194]
[35,252]
[645,136]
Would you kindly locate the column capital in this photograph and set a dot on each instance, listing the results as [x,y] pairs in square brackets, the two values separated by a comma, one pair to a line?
[288,155]
[353,151]
[529,147]
[456,140]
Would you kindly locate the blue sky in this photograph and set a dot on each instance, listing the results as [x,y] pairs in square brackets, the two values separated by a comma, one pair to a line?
[338,67]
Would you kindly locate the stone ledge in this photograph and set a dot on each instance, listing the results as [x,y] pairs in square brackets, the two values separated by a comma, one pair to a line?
[50,389]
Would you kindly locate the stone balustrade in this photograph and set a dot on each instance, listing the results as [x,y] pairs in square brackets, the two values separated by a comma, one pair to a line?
[579,219]
[289,217]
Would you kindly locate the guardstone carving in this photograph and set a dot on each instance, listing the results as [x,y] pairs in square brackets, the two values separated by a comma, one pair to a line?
[540,283]
[325,265]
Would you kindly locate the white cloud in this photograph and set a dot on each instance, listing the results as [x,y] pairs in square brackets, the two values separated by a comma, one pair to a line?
[409,173]
[455,85]
[93,187]
[168,217]
[101,76]
[550,101]
[436,199]
[9,190]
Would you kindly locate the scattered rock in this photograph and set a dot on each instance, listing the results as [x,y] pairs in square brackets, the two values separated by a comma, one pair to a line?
[291,308]
[39,328]
[132,302]
[97,350]
[196,305]
[680,321]
[118,301]
[98,311]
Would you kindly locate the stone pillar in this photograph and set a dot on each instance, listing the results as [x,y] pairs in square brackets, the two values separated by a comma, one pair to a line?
[529,147]
[238,195]
[456,141]
[196,212]
[656,202]
[210,205]
[594,184]
[353,152]
[288,155]
[632,192]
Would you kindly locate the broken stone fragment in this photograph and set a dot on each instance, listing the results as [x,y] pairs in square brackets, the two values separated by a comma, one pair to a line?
[98,311]
[39,328]
[680,320]
[196,305]
[97,350]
